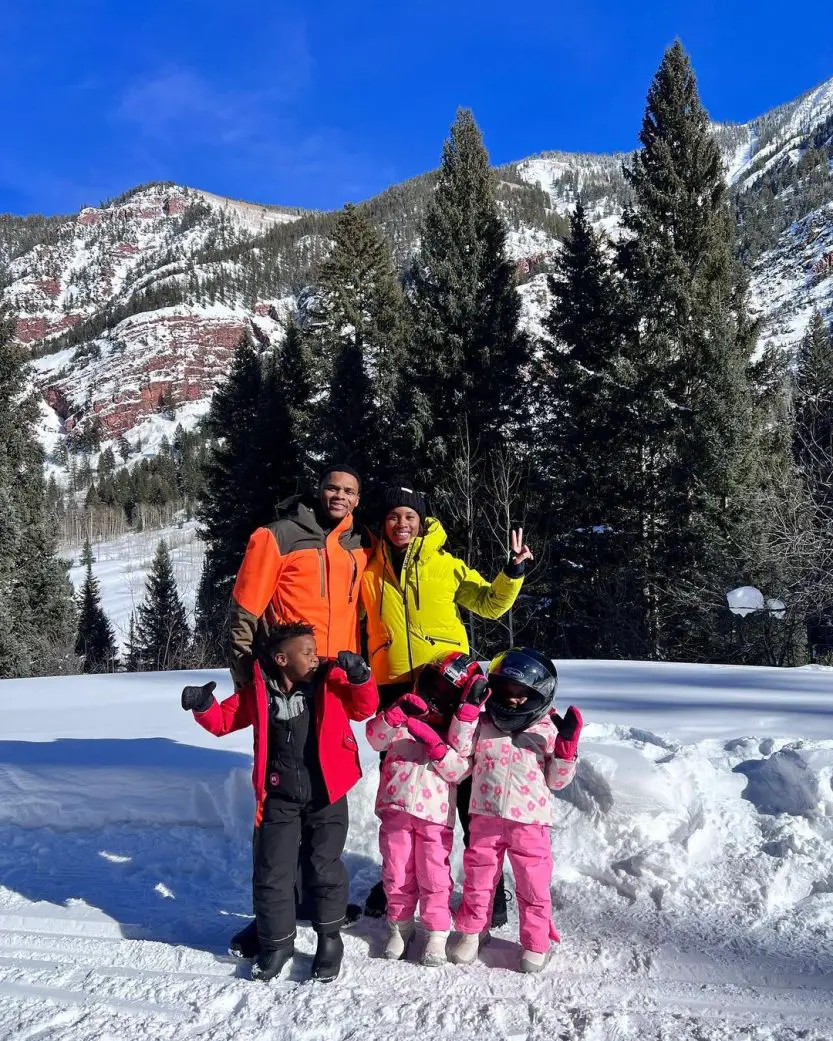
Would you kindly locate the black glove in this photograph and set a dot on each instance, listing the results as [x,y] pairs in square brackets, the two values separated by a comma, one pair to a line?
[198,699]
[357,669]
[477,691]
[568,724]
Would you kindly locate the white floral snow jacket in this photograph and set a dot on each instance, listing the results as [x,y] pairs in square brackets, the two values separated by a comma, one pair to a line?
[409,780]
[512,773]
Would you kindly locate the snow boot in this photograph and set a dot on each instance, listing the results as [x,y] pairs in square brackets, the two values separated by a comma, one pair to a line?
[376,904]
[271,961]
[326,964]
[245,944]
[499,915]
[352,915]
[465,950]
[533,961]
[434,953]
[401,934]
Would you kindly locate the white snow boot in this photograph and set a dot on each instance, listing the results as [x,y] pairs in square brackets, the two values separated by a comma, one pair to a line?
[465,950]
[434,953]
[533,961]
[400,936]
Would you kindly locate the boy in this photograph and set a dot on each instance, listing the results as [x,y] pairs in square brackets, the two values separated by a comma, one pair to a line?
[305,761]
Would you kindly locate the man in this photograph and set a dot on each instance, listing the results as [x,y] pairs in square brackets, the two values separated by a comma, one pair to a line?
[306,567]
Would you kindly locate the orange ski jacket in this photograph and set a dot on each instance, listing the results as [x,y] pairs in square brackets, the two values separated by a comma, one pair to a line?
[296,571]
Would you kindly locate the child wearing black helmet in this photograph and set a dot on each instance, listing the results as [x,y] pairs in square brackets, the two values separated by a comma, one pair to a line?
[417,800]
[521,749]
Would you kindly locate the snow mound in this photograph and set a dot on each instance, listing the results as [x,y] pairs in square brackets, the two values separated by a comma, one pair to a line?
[693,876]
[795,780]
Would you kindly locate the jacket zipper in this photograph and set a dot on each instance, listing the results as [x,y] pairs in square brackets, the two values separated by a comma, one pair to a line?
[301,794]
[322,574]
[507,782]
[418,786]
[353,579]
[381,647]
[408,630]
[440,639]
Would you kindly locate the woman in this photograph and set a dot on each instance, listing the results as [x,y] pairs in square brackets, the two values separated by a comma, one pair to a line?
[412,591]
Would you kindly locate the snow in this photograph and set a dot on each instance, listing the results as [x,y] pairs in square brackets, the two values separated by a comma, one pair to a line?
[693,873]
[536,302]
[735,164]
[784,288]
[256,217]
[122,565]
[530,242]
[152,429]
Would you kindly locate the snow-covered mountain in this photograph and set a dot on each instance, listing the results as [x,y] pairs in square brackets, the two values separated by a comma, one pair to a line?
[108,287]
[132,309]
[780,170]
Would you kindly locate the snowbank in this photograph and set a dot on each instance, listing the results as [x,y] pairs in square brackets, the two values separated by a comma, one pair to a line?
[693,872]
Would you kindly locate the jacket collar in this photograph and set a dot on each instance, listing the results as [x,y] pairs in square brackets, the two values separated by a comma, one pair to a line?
[303,510]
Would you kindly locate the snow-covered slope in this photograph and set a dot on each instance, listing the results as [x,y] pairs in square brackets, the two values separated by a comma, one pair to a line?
[693,868]
[121,567]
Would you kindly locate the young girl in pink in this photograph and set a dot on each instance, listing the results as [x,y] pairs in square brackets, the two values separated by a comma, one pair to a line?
[416,802]
[521,750]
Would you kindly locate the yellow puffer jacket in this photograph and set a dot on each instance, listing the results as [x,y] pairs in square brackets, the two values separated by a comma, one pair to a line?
[413,617]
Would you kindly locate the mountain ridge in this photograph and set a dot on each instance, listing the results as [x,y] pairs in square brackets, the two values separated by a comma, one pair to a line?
[132,309]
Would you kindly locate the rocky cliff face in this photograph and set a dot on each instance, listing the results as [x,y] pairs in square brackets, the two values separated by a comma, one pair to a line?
[99,365]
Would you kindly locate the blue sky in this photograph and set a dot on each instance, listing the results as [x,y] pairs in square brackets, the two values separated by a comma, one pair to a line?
[319,103]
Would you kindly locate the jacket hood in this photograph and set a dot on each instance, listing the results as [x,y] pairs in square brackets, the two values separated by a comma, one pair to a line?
[303,510]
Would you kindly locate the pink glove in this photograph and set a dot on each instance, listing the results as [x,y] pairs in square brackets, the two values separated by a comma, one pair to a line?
[400,711]
[569,730]
[435,747]
[474,698]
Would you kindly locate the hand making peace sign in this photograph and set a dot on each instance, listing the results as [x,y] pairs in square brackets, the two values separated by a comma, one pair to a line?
[520,550]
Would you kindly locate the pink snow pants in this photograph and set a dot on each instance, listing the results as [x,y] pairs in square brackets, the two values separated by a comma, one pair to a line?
[530,855]
[415,868]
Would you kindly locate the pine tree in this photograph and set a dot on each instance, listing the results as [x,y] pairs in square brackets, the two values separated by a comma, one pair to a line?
[470,357]
[259,456]
[288,414]
[95,642]
[359,322]
[162,637]
[131,658]
[87,558]
[124,448]
[578,449]
[691,436]
[37,612]
[813,411]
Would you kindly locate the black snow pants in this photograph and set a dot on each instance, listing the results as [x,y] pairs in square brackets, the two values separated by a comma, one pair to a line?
[286,828]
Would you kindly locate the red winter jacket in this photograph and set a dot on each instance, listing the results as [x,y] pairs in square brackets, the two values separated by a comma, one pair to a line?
[336,703]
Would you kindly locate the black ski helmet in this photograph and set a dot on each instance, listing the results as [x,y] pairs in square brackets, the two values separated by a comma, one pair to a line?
[441,682]
[520,670]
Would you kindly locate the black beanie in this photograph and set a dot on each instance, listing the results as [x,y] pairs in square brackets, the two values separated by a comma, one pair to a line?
[339,468]
[396,495]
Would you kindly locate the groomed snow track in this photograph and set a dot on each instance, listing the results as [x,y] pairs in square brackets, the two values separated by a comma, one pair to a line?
[58,988]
